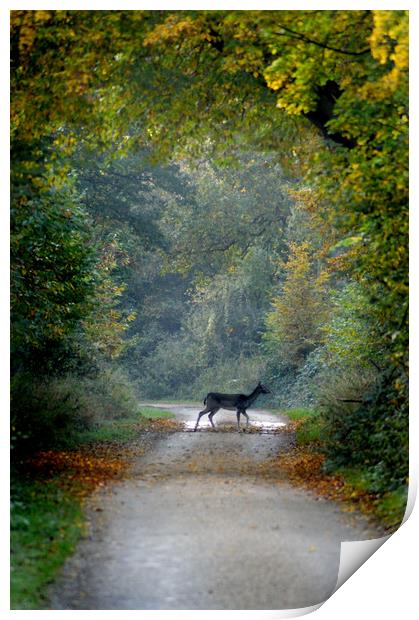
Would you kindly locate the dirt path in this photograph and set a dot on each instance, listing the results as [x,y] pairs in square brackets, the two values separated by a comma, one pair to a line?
[196,527]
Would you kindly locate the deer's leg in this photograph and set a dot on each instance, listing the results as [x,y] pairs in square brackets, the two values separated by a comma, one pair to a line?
[238,420]
[200,414]
[247,417]
[211,415]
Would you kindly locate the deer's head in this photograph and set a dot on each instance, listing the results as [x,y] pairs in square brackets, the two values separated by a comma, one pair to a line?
[263,389]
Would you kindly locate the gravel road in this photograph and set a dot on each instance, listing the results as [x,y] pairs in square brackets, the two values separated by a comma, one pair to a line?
[196,527]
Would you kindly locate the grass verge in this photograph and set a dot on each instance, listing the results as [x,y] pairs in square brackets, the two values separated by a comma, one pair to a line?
[47,495]
[307,424]
[122,430]
[46,523]
[155,412]
[178,401]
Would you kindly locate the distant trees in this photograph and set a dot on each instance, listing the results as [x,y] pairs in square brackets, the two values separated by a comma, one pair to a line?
[198,305]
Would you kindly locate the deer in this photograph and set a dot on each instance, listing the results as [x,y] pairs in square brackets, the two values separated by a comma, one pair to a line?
[233,402]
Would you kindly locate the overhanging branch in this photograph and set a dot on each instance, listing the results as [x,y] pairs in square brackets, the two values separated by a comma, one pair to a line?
[302,37]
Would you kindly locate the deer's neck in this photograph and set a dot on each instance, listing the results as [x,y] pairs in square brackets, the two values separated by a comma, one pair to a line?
[253,396]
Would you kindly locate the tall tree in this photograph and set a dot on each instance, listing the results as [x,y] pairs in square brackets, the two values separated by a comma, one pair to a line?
[300,309]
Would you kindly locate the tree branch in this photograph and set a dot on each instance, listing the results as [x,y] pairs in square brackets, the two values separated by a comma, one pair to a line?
[375,365]
[305,39]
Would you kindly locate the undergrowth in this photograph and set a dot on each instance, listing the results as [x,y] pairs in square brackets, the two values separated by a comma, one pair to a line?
[354,485]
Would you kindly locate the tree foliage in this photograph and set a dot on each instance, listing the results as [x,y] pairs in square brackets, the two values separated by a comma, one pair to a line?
[52,263]
[300,310]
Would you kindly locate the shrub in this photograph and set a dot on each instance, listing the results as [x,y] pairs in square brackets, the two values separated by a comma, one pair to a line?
[50,412]
[109,394]
[365,433]
[44,413]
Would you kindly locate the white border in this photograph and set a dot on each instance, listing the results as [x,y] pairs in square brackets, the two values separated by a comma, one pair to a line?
[384,587]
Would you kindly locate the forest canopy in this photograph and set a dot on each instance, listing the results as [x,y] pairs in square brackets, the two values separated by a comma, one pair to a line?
[208,198]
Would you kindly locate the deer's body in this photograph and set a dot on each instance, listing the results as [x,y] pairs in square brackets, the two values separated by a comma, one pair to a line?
[214,401]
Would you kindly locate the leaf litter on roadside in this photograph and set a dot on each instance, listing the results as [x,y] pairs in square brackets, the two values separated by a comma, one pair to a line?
[303,466]
[95,464]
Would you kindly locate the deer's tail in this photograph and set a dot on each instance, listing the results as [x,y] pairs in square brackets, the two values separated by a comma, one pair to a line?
[205,400]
